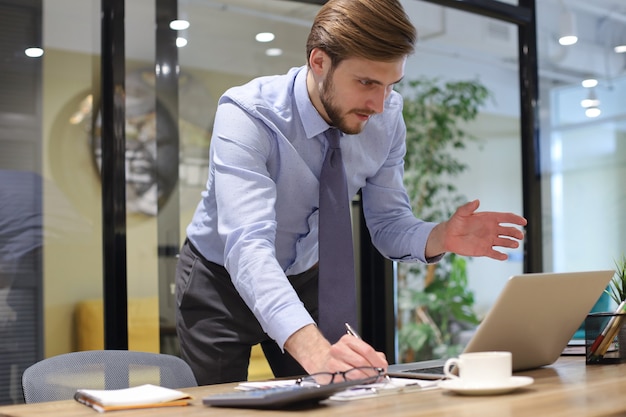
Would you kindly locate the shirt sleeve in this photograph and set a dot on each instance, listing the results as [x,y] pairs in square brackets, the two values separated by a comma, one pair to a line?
[246,196]
[395,230]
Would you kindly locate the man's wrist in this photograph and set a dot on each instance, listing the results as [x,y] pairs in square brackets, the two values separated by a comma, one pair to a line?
[435,244]
[309,347]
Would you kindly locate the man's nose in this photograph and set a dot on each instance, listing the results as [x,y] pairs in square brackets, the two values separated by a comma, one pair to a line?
[376,102]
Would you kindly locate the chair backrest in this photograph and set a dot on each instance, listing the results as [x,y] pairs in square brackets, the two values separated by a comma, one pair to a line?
[58,377]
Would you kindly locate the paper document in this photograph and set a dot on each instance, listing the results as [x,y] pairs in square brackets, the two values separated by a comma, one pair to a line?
[389,386]
[143,396]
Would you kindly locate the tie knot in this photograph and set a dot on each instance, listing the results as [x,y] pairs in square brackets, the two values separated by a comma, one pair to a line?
[332,135]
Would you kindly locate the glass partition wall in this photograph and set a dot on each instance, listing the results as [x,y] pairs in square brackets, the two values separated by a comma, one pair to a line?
[582,135]
[433,301]
[585,174]
[173,79]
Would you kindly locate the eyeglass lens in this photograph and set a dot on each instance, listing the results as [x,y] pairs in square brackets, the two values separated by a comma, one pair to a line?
[323,378]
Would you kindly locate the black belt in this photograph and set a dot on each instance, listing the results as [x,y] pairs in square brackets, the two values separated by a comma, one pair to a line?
[205,261]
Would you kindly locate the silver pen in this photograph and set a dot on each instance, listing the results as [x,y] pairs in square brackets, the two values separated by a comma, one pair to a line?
[351,331]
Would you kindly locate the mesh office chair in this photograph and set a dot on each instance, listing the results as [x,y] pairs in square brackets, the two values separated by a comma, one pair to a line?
[58,377]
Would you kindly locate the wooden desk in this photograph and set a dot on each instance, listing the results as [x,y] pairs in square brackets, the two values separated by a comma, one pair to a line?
[567,388]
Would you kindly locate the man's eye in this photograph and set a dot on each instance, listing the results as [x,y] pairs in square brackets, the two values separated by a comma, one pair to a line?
[366,82]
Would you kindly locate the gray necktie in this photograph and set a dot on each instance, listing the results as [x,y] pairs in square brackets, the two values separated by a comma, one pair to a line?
[337,289]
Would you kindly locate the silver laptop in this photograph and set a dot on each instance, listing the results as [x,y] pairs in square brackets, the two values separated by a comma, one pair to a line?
[534,318]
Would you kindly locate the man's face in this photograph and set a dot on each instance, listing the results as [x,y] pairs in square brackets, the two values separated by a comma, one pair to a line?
[356,89]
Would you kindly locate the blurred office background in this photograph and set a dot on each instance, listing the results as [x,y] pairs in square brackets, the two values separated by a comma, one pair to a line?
[51,120]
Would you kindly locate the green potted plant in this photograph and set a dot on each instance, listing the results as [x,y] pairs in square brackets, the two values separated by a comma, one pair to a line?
[617,287]
[617,291]
[434,301]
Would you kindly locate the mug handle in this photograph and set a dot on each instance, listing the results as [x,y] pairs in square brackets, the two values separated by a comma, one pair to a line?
[447,368]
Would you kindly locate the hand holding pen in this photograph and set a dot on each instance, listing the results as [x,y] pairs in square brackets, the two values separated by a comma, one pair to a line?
[353,333]
[373,358]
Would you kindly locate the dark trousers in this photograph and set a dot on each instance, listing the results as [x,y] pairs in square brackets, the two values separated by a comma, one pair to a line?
[216,329]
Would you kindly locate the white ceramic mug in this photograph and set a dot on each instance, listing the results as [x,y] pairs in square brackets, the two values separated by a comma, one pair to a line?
[481,369]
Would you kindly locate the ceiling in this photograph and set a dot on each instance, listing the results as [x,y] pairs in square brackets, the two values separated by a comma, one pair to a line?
[220,27]
[600,24]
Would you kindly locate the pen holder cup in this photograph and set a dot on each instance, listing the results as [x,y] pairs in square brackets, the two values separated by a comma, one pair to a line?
[605,338]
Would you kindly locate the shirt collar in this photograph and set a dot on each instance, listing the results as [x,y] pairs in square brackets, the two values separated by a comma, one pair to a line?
[312,122]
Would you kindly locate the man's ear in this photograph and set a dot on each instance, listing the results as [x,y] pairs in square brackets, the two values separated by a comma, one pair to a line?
[319,62]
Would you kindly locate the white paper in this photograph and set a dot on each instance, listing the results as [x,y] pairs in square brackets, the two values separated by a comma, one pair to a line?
[391,386]
[248,386]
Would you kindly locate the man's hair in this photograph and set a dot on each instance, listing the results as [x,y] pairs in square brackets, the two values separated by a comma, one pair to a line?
[377,30]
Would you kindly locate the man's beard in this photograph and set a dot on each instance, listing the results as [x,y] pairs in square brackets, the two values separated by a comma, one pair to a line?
[327,98]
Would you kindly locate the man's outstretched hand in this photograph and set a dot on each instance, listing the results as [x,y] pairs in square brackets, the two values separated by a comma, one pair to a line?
[471,233]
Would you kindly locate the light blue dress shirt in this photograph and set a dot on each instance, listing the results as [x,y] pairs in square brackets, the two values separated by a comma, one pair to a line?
[259,213]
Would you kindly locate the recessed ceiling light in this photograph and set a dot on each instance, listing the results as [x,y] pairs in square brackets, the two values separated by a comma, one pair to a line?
[589,83]
[568,40]
[33,52]
[274,52]
[264,37]
[179,24]
[567,29]
[593,112]
[620,49]
[589,102]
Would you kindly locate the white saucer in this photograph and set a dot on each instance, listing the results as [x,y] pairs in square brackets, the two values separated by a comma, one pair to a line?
[459,387]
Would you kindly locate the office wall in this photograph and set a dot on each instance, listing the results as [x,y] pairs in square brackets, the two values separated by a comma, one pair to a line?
[72,197]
